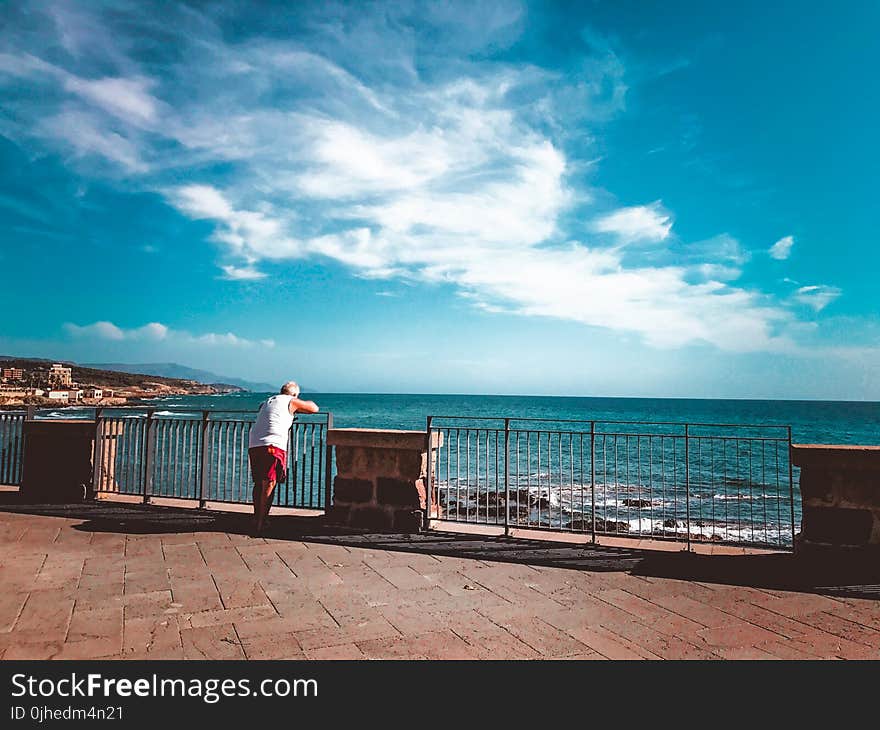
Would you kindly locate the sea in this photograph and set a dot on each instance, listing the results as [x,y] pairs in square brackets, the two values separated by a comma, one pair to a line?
[830,422]
[635,475]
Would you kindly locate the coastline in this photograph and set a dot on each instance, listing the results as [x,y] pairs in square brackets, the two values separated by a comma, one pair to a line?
[129,397]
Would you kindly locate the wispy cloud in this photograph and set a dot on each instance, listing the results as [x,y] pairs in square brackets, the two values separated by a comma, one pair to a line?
[242,273]
[450,170]
[781,250]
[158,332]
[636,223]
[817,296]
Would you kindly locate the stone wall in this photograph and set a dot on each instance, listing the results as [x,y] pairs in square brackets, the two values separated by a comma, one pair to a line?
[840,490]
[57,465]
[381,478]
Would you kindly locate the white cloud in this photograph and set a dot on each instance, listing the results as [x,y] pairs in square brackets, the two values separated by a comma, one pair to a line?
[86,134]
[202,201]
[817,296]
[127,99]
[781,250]
[103,330]
[158,332]
[637,223]
[451,171]
[242,273]
[249,234]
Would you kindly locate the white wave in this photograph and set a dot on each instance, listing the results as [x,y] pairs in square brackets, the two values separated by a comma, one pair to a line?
[747,497]
[719,530]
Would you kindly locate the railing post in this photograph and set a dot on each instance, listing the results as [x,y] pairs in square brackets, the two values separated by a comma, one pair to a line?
[687,482]
[506,476]
[328,466]
[593,479]
[791,486]
[429,477]
[148,456]
[203,464]
[98,453]
[31,413]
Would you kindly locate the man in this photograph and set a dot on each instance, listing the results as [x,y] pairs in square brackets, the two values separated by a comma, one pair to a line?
[267,446]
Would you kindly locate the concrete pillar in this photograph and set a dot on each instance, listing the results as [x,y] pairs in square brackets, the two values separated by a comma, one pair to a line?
[381,478]
[840,491]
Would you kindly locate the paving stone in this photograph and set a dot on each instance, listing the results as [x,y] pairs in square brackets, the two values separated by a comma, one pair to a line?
[735,634]
[435,645]
[547,640]
[44,617]
[11,605]
[339,651]
[375,628]
[152,637]
[227,616]
[844,628]
[274,646]
[211,642]
[489,639]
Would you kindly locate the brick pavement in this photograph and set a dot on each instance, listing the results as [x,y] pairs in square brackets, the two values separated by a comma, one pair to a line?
[139,582]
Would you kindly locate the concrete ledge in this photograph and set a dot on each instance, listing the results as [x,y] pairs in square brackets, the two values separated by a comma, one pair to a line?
[837,456]
[376,438]
[840,490]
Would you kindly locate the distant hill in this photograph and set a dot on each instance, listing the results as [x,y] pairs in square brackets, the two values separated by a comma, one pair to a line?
[100,375]
[182,372]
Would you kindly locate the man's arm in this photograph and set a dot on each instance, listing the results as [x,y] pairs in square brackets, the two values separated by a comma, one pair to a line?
[307,406]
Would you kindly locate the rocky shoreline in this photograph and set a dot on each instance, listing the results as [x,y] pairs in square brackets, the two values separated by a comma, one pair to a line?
[130,396]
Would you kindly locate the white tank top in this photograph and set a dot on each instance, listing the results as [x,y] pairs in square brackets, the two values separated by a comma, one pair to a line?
[273,423]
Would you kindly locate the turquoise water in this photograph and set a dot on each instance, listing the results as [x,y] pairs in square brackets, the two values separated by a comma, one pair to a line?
[811,421]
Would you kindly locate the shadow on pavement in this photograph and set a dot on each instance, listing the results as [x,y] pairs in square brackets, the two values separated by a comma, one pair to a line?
[841,576]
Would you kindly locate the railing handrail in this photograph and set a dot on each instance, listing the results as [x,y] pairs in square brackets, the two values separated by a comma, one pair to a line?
[599,421]
[106,411]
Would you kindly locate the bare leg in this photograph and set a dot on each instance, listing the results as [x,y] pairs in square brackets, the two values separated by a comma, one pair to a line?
[260,511]
[267,498]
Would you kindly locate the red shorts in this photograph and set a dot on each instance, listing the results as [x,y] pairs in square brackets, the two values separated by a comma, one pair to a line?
[268,463]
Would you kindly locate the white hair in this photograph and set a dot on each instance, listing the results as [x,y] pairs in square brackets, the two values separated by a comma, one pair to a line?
[290,388]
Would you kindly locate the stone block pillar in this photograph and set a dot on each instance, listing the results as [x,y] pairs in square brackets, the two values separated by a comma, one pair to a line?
[840,490]
[381,478]
[57,465]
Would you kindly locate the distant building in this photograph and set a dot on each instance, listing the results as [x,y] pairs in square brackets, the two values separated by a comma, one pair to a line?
[74,395]
[61,395]
[60,375]
[13,373]
[34,391]
[93,393]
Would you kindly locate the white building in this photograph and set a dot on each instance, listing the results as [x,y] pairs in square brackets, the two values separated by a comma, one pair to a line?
[61,395]
[95,393]
[60,375]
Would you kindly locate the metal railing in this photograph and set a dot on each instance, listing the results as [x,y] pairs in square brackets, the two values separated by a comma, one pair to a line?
[202,455]
[724,483]
[11,446]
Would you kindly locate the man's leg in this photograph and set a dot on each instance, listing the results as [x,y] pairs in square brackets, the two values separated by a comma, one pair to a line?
[262,500]
[259,490]
[268,490]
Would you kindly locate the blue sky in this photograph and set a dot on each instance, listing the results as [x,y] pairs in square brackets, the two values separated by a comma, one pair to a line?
[645,199]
